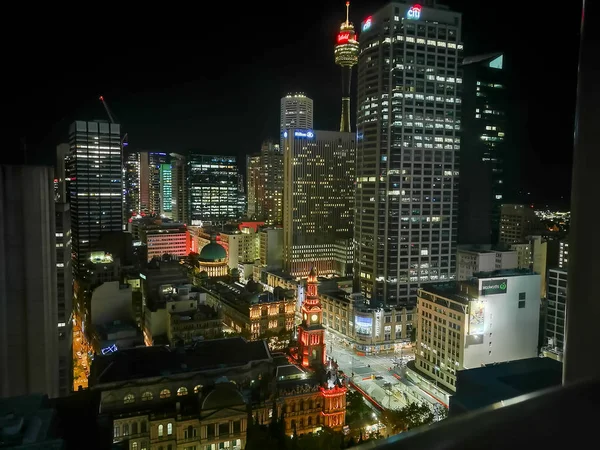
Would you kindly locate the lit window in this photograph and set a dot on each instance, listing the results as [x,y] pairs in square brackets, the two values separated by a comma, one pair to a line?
[197,389]
[182,391]
[169,429]
[161,430]
[147,396]
[165,393]
[129,398]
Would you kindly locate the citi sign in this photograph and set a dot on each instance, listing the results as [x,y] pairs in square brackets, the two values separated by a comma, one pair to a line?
[304,134]
[414,12]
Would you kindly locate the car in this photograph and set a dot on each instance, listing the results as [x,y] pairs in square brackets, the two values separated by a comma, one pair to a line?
[378,377]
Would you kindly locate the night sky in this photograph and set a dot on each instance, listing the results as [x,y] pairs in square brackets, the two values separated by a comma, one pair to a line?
[211,78]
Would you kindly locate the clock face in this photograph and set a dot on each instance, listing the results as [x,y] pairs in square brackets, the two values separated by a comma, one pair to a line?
[314,318]
[305,316]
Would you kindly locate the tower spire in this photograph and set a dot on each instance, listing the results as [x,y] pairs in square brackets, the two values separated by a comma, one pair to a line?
[347,12]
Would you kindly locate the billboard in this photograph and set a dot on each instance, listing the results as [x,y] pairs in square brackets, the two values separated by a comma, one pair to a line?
[493,287]
[476,318]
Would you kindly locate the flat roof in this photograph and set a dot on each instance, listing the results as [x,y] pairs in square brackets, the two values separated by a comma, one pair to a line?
[149,362]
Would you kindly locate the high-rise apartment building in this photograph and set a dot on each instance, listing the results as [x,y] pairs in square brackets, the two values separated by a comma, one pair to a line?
[516,223]
[213,188]
[64,283]
[179,189]
[144,184]
[29,352]
[563,254]
[63,152]
[166,190]
[482,148]
[265,183]
[296,111]
[318,201]
[408,122]
[131,184]
[96,187]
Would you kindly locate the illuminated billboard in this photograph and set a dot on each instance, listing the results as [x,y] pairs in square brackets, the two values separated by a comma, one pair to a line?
[493,287]
[414,12]
[363,325]
[342,38]
[367,23]
[476,318]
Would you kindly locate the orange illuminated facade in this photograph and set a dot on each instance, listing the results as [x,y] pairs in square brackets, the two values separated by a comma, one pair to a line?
[311,334]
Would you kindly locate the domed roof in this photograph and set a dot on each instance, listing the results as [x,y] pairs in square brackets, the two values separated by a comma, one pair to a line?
[222,396]
[212,252]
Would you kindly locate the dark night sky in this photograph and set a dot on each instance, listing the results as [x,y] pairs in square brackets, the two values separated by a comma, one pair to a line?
[180,82]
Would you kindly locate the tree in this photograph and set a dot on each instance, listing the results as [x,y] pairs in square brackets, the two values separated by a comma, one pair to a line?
[356,408]
[413,334]
[411,416]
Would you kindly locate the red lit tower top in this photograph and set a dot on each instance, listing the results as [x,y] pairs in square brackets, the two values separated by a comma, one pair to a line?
[346,55]
[311,334]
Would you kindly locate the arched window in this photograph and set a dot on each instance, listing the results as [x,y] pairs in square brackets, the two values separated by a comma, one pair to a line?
[169,429]
[293,424]
[301,423]
[161,430]
[318,420]
[182,391]
[129,398]
[197,389]
[134,446]
[126,429]
[134,428]
[309,421]
[147,396]
[190,431]
[165,393]
[144,427]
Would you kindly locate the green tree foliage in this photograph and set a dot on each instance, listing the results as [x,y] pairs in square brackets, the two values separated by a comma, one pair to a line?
[411,416]
[356,408]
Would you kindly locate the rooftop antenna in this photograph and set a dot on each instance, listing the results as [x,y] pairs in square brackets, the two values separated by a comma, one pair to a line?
[347,12]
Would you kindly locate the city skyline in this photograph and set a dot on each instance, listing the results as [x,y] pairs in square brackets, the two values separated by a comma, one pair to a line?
[174,108]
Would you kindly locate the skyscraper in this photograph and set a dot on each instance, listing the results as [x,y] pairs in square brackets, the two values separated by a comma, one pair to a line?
[155,162]
[29,354]
[318,180]
[95,170]
[265,183]
[346,56]
[408,122]
[482,149]
[253,178]
[166,190]
[131,184]
[296,112]
[179,189]
[213,188]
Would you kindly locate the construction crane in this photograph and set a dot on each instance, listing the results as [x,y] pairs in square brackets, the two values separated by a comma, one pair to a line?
[124,142]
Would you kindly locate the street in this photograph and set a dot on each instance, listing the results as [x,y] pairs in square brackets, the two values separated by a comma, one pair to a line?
[390,389]
[81,360]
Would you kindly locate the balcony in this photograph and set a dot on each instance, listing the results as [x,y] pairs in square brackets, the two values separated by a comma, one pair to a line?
[539,420]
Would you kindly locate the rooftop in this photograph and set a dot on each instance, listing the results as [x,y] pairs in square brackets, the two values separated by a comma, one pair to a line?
[504,273]
[148,362]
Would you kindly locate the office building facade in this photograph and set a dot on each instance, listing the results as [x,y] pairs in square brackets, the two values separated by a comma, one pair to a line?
[29,352]
[255,188]
[96,186]
[166,190]
[179,189]
[408,122]
[131,185]
[156,160]
[492,318]
[296,111]
[516,223]
[265,184]
[482,148]
[318,201]
[213,188]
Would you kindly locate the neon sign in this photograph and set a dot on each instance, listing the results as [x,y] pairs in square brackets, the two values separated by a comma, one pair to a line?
[343,38]
[113,348]
[414,12]
[304,134]
[367,23]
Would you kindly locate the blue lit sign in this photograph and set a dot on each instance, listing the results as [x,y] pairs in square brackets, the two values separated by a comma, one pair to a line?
[304,134]
[113,348]
[414,12]
[367,23]
[285,134]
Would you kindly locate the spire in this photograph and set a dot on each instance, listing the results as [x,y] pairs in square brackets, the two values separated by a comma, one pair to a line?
[347,12]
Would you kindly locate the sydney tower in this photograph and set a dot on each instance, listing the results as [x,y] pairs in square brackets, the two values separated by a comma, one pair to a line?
[346,56]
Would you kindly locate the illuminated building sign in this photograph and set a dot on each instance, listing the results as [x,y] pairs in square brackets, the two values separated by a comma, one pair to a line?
[414,12]
[304,134]
[493,287]
[285,134]
[367,23]
[113,348]
[343,38]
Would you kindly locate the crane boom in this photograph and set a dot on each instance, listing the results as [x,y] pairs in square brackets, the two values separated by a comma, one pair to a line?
[124,142]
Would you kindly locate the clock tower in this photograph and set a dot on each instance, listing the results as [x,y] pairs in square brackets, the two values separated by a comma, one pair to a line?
[311,334]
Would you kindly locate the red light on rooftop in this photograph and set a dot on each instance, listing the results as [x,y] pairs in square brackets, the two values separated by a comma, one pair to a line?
[101,98]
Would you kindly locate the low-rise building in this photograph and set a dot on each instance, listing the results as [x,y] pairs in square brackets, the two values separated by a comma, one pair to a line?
[166,238]
[473,259]
[198,322]
[492,318]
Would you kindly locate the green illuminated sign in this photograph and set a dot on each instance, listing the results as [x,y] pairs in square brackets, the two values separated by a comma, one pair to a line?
[493,287]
